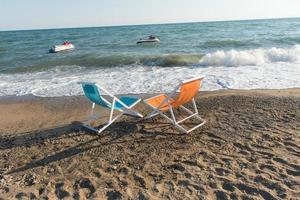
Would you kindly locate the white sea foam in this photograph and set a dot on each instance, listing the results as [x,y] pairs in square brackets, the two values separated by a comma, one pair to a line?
[268,69]
[251,57]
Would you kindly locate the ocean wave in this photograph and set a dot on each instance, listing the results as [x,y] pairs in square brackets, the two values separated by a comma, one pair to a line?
[94,62]
[145,79]
[230,58]
[170,60]
[251,57]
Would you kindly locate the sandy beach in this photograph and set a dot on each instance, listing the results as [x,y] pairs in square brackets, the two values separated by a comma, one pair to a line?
[249,149]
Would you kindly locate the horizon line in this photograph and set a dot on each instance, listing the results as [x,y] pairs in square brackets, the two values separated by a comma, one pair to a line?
[148,24]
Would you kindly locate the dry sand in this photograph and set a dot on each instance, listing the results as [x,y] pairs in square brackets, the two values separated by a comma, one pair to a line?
[249,149]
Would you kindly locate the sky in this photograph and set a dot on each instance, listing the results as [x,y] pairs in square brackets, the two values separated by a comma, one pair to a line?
[44,14]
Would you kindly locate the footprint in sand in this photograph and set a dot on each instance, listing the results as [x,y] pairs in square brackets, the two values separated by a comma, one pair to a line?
[293,151]
[266,154]
[233,196]
[255,191]
[177,167]
[124,171]
[113,195]
[157,178]
[185,184]
[281,192]
[123,183]
[43,193]
[83,183]
[60,192]
[280,160]
[288,143]
[243,147]
[269,167]
[28,180]
[295,172]
[142,196]
[140,181]
[220,195]
[292,172]
[170,185]
[228,186]
[222,172]
[190,187]
[97,174]
[193,163]
[23,195]
[292,184]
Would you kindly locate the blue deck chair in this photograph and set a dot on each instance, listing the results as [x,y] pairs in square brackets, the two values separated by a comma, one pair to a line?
[122,105]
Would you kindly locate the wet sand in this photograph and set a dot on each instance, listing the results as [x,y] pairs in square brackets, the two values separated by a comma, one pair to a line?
[249,149]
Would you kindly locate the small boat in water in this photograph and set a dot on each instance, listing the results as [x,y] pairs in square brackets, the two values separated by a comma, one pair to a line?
[65,46]
[149,39]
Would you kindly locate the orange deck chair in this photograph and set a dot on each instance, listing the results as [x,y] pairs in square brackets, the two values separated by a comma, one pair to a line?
[163,103]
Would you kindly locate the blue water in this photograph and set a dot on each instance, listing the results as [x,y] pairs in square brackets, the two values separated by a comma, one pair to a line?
[193,48]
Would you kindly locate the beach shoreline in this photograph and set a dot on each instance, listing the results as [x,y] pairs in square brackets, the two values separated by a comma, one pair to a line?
[249,148]
[66,109]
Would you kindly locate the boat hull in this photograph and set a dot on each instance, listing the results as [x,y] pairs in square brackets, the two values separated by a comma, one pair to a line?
[58,48]
[148,41]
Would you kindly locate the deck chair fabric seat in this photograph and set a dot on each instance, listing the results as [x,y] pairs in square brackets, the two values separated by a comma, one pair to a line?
[159,102]
[92,93]
[123,105]
[128,101]
[167,103]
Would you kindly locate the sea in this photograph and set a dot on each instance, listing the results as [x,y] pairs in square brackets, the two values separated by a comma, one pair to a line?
[251,54]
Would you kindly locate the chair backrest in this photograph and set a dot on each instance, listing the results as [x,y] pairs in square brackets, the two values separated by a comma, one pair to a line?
[92,93]
[188,90]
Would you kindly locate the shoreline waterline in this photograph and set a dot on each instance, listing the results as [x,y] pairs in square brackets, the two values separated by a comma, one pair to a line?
[275,92]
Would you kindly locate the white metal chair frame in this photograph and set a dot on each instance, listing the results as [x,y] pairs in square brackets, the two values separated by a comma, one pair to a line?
[126,110]
[173,120]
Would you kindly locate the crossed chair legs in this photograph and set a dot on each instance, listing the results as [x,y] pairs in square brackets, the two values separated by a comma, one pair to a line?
[111,118]
[174,121]
[155,112]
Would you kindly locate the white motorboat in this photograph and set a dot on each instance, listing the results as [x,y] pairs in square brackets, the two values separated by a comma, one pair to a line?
[65,46]
[149,39]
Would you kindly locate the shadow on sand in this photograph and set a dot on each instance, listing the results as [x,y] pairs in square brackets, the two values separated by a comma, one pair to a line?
[38,137]
[113,135]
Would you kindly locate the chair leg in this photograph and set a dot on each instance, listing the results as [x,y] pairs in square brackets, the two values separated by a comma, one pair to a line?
[91,116]
[190,112]
[173,118]
[110,121]
[152,114]
[198,126]
[172,114]
[191,129]
[90,127]
[112,111]
[181,128]
[193,114]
